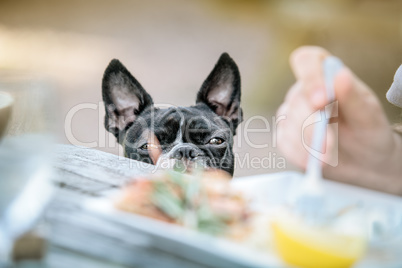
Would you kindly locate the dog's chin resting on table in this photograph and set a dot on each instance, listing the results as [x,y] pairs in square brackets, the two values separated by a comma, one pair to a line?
[184,137]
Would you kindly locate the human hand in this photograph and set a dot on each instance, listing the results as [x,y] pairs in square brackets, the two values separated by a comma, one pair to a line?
[369,152]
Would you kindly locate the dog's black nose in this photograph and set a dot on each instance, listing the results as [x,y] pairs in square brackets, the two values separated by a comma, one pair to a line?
[189,152]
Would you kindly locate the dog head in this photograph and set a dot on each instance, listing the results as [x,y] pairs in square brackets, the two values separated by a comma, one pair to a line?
[202,133]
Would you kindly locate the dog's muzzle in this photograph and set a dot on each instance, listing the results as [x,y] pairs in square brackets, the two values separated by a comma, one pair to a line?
[185,152]
[183,158]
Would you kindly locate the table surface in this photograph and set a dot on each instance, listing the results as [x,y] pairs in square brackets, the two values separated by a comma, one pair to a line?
[77,238]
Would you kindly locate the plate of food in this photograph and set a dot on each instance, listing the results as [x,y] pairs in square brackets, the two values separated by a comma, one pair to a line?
[214,221]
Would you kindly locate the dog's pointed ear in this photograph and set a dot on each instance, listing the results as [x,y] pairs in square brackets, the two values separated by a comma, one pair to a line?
[221,91]
[124,98]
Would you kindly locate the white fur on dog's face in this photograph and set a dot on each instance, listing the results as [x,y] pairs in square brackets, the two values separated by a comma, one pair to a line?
[168,161]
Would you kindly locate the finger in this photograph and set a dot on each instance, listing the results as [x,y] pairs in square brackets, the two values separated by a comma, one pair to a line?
[294,91]
[306,62]
[290,129]
[307,65]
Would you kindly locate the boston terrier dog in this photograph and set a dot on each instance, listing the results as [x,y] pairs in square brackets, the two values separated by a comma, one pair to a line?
[202,133]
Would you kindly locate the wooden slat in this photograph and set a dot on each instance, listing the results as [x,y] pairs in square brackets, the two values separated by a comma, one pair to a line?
[94,165]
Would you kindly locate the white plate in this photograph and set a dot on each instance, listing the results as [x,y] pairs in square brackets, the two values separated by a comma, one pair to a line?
[266,190]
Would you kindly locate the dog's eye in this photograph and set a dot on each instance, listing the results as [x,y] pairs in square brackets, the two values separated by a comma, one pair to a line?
[148,146]
[144,147]
[216,141]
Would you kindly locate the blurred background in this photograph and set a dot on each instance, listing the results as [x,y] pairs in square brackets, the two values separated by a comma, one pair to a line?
[171,46]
